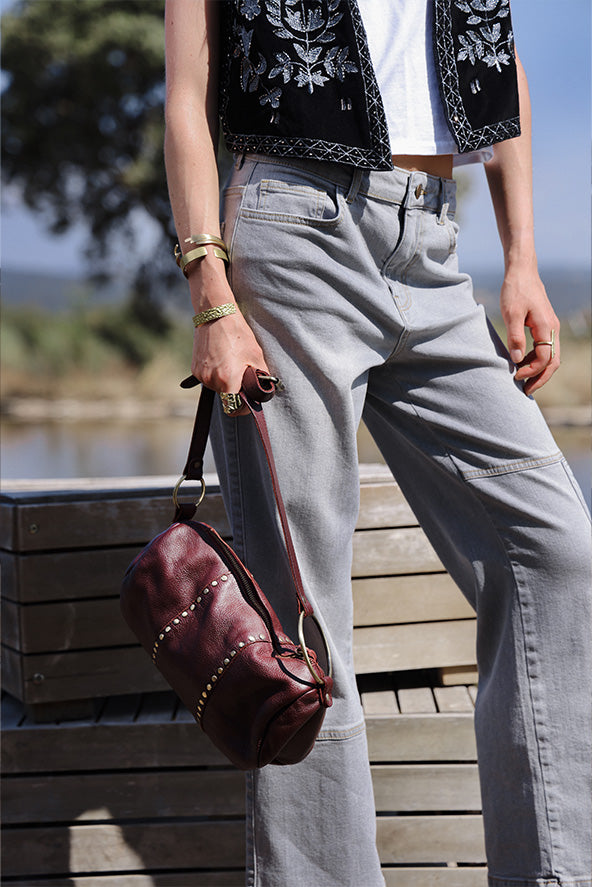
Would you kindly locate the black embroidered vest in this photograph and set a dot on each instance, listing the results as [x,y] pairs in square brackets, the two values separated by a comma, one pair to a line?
[297,79]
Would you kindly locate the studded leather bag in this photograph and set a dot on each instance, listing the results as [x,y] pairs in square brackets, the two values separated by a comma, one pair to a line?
[259,695]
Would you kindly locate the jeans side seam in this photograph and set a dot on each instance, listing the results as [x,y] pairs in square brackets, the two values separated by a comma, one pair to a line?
[553,848]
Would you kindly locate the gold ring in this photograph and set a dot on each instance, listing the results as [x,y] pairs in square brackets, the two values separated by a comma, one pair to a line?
[551,342]
[231,403]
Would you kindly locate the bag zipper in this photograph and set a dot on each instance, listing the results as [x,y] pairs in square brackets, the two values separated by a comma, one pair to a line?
[243,579]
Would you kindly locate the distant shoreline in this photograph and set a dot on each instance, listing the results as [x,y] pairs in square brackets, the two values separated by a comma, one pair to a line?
[36,410]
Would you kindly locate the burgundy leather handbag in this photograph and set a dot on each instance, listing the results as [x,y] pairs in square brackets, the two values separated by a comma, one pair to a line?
[259,695]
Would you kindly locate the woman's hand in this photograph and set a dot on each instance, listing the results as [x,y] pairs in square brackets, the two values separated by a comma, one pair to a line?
[223,348]
[524,303]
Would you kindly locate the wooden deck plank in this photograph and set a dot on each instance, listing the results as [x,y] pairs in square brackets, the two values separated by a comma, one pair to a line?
[429,737]
[52,748]
[112,743]
[405,647]
[121,795]
[423,839]
[87,673]
[381,702]
[383,505]
[178,879]
[408,788]
[387,551]
[453,699]
[81,522]
[459,674]
[468,876]
[401,876]
[64,575]
[78,623]
[103,848]
[416,700]
[424,597]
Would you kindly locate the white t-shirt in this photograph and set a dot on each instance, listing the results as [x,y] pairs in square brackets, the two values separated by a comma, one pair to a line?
[400,39]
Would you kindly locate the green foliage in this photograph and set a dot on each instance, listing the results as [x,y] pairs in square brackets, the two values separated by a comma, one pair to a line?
[85,339]
[83,119]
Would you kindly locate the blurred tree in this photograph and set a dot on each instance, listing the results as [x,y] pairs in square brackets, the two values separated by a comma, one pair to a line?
[83,123]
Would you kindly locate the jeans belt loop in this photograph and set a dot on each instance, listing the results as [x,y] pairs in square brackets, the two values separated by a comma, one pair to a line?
[354,186]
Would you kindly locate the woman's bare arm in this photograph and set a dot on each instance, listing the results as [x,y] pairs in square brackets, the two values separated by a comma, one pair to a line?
[222,348]
[524,302]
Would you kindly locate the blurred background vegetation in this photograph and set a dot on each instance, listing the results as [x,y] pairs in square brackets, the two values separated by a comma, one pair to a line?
[82,139]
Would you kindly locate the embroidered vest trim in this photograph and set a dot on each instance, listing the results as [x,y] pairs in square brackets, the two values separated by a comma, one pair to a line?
[297,78]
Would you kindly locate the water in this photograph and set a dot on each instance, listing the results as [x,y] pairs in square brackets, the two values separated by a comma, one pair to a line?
[121,449]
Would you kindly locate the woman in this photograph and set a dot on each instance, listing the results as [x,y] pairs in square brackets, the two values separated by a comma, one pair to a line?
[346,118]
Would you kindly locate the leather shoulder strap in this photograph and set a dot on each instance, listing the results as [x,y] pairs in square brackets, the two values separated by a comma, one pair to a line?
[256,388]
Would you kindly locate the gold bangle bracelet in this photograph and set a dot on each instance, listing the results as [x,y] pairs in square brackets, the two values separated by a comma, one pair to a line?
[214,313]
[203,239]
[183,260]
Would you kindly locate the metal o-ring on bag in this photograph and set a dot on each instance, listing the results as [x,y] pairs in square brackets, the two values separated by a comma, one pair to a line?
[181,480]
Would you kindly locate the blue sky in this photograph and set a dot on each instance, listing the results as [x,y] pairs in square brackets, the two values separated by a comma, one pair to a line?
[553,40]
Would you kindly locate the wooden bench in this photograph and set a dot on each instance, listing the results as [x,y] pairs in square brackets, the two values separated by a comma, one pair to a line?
[64,548]
[139,793]
[107,780]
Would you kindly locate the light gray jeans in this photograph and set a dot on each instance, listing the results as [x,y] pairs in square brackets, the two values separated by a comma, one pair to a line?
[350,282]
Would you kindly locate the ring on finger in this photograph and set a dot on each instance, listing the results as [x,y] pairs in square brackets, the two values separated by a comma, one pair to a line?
[231,403]
[550,342]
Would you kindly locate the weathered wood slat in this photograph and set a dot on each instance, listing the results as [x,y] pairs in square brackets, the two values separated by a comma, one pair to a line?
[401,876]
[407,788]
[403,647]
[424,597]
[417,700]
[422,839]
[84,523]
[71,624]
[38,516]
[51,748]
[421,737]
[64,575]
[459,674]
[121,795]
[113,744]
[468,876]
[74,674]
[105,847]
[383,702]
[393,551]
[382,505]
[453,699]
[178,879]
[55,677]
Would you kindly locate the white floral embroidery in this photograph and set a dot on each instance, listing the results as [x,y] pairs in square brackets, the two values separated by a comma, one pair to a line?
[308,61]
[485,44]
[250,9]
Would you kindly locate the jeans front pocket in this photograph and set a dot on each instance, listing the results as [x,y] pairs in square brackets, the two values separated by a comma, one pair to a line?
[291,196]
